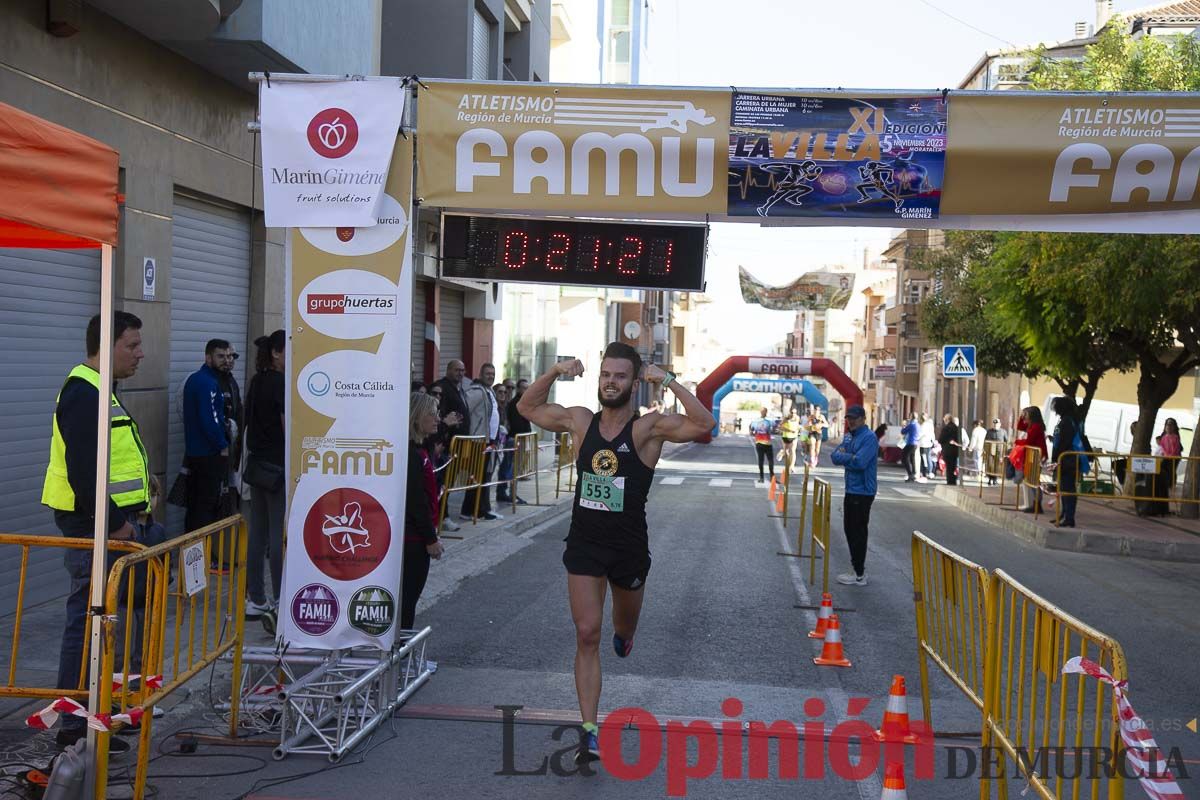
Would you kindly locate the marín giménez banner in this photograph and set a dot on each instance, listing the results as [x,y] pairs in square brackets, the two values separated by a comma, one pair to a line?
[836,156]
[815,290]
[326,149]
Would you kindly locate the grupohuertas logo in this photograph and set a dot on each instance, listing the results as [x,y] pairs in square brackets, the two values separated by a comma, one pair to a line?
[332,133]
[342,303]
[372,610]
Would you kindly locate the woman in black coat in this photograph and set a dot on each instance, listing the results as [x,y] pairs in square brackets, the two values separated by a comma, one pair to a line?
[951,440]
[420,507]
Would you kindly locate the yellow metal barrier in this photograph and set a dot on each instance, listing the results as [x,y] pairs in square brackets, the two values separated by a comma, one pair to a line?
[950,597]
[467,459]
[1162,471]
[566,460]
[1029,704]
[995,453]
[525,465]
[201,626]
[822,502]
[27,543]
[803,513]
[1031,477]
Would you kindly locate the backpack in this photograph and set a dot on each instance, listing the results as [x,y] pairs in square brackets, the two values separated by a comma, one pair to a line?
[1081,444]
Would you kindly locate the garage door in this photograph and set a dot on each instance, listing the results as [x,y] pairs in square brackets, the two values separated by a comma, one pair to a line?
[46,300]
[210,299]
[418,331]
[451,329]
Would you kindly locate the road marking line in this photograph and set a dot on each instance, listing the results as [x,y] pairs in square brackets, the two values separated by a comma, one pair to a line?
[910,492]
[671,482]
[721,483]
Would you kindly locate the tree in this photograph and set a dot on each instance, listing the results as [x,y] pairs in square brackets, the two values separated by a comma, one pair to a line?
[1148,287]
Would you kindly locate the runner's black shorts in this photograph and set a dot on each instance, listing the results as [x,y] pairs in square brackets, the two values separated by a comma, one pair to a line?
[625,567]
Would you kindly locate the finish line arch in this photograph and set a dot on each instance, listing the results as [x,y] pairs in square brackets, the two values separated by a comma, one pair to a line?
[782,386]
[776,366]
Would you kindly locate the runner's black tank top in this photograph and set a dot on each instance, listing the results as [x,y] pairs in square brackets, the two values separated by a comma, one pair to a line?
[600,466]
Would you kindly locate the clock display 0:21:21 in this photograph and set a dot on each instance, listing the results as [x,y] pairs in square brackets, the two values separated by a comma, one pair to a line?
[629,254]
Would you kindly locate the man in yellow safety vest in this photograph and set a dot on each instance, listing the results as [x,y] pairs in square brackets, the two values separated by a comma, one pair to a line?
[70,485]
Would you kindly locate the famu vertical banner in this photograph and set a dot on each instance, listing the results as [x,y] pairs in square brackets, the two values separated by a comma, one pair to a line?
[350,293]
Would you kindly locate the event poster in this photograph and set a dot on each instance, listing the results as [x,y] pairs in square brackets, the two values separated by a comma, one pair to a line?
[836,156]
[818,291]
[348,363]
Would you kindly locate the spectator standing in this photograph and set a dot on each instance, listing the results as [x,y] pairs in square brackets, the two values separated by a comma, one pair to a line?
[453,400]
[1172,449]
[70,489]
[858,454]
[975,448]
[235,418]
[206,440]
[760,434]
[517,424]
[1031,432]
[996,434]
[950,439]
[910,434]
[485,422]
[264,473]
[925,444]
[421,506]
[1067,438]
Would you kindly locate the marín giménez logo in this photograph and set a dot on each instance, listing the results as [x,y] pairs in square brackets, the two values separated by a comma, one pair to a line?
[351,303]
[318,384]
[333,133]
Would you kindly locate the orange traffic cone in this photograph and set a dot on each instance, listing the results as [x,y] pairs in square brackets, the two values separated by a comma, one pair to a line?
[779,502]
[823,615]
[771,491]
[831,652]
[895,716]
[893,782]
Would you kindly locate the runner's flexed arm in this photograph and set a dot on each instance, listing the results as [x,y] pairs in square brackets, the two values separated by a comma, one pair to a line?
[686,427]
[534,405]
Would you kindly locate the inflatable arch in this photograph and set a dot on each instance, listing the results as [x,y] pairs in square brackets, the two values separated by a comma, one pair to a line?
[778,367]
[784,386]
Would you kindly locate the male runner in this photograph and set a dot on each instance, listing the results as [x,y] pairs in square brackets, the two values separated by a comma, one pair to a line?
[608,543]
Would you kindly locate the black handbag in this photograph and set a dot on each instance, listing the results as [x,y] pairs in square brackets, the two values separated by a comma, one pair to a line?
[263,474]
[178,496]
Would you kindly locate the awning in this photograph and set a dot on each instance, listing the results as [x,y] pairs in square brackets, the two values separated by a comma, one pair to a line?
[58,188]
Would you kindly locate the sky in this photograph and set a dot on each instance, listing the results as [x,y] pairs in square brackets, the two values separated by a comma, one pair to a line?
[863,44]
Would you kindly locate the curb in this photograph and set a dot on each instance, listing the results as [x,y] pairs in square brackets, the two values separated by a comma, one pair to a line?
[472,536]
[1072,540]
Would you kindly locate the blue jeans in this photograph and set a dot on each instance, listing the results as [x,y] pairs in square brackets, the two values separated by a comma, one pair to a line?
[79,567]
[506,473]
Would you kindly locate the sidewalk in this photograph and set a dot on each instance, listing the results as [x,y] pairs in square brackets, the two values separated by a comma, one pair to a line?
[1107,527]
[481,546]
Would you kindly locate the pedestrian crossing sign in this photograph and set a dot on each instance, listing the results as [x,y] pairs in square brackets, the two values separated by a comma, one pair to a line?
[958,361]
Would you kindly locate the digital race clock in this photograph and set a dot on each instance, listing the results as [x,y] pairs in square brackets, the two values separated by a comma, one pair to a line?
[626,254]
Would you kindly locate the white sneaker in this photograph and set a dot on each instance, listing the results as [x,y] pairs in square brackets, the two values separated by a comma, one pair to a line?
[450,525]
[850,579]
[254,610]
[466,517]
[492,516]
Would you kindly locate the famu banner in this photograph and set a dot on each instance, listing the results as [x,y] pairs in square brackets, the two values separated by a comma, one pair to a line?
[326,149]
[601,149]
[825,155]
[348,364]
[1093,153]
[814,290]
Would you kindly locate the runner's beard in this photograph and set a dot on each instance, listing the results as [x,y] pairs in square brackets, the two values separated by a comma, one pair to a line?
[620,401]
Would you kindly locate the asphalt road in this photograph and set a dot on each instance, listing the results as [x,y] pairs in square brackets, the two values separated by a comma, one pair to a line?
[720,622]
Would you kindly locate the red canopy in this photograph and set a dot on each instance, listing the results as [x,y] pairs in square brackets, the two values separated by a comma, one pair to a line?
[58,188]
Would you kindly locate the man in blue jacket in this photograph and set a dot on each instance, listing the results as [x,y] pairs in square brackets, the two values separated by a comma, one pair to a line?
[858,454]
[911,433]
[206,455]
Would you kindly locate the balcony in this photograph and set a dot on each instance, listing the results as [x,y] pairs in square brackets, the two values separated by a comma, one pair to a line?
[907,382]
[886,342]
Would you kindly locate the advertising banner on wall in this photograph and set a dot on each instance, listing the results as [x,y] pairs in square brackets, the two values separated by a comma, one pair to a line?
[326,149]
[879,158]
[604,149]
[1073,154]
[814,290]
[348,363]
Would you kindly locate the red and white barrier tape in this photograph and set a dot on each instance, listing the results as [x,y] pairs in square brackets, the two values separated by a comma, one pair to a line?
[148,681]
[46,718]
[1151,770]
[264,690]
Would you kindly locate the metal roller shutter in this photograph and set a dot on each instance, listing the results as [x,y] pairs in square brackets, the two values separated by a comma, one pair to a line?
[210,299]
[46,300]
[481,47]
[451,330]
[418,331]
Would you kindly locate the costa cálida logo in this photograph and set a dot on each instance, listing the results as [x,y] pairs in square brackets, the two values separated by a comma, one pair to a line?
[333,133]
[351,303]
[347,534]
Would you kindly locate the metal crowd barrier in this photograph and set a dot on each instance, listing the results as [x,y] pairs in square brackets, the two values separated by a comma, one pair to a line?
[1029,704]
[465,472]
[566,460]
[11,688]
[950,597]
[187,622]
[1095,483]
[822,502]
[525,465]
[803,512]
[995,453]
[1031,477]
